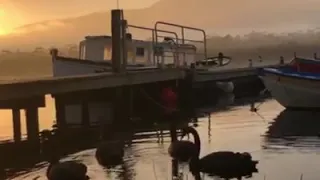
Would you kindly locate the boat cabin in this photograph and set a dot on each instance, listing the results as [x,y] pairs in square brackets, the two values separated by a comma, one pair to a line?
[99,48]
[305,65]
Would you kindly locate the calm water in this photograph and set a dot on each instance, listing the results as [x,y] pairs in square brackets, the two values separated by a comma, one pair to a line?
[46,116]
[237,129]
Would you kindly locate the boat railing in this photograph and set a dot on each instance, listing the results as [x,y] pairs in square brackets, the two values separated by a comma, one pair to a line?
[158,51]
[182,40]
[171,50]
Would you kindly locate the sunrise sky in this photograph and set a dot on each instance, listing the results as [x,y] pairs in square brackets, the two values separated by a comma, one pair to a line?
[14,13]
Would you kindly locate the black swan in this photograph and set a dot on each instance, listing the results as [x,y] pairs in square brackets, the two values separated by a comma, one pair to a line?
[110,153]
[225,164]
[110,150]
[181,150]
[68,170]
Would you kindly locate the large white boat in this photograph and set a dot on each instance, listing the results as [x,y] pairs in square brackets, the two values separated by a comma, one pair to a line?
[296,86]
[165,49]
[160,52]
[95,56]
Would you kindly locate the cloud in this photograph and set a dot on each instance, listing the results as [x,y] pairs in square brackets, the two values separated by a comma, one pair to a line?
[48,25]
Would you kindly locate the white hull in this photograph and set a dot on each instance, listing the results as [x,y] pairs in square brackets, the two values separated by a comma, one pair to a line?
[69,67]
[227,87]
[293,92]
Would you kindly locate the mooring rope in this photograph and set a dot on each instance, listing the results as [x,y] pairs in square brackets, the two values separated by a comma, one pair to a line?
[255,109]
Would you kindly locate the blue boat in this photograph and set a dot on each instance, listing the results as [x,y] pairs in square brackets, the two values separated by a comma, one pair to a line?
[294,86]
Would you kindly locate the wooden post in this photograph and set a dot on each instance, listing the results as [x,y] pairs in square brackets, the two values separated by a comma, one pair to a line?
[124,53]
[281,60]
[250,63]
[16,117]
[33,127]
[116,22]
[118,108]
[220,58]
[54,53]
[85,114]
[60,112]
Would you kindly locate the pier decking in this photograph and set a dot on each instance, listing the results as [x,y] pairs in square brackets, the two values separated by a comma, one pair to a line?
[19,89]
[39,87]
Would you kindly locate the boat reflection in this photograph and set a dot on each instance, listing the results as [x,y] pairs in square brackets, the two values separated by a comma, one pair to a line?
[294,129]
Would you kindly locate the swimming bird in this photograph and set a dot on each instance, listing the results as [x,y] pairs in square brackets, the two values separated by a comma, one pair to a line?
[68,170]
[110,153]
[110,150]
[182,150]
[225,164]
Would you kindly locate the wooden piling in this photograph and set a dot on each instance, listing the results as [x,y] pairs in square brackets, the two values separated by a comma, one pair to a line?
[32,123]
[85,114]
[124,60]
[60,113]
[119,63]
[116,21]
[119,108]
[16,117]
[281,60]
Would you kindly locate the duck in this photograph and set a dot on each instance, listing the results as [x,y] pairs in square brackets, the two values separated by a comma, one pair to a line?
[68,170]
[225,164]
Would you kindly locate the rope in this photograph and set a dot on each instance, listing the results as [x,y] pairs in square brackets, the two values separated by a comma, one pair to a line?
[255,109]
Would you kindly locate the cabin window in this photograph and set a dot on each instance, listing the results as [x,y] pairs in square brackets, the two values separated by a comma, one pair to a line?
[107,53]
[140,51]
[83,52]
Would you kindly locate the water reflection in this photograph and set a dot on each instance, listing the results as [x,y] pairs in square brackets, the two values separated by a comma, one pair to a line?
[225,99]
[294,129]
[235,129]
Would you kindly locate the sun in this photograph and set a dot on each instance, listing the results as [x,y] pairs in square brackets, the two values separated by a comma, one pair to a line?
[3,32]
[2,23]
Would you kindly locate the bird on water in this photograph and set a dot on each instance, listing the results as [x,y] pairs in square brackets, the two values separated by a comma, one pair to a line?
[181,150]
[110,150]
[68,170]
[110,153]
[225,164]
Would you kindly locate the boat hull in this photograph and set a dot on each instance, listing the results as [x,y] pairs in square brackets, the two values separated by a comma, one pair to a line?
[63,66]
[293,92]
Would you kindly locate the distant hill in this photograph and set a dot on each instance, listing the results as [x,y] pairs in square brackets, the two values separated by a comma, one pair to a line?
[208,14]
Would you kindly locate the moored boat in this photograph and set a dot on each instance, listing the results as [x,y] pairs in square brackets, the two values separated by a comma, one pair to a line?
[295,86]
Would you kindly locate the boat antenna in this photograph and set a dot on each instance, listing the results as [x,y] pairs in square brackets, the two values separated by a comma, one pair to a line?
[117,4]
